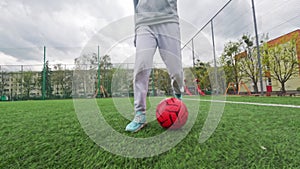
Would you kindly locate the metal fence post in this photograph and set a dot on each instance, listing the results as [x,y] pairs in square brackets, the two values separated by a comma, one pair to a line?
[258,50]
[44,76]
[98,53]
[214,53]
[193,53]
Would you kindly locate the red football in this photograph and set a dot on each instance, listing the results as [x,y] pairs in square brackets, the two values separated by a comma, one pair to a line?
[171,113]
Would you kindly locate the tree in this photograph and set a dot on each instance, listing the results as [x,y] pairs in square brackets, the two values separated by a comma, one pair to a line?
[106,72]
[248,61]
[87,73]
[230,62]
[28,83]
[61,78]
[163,81]
[281,60]
[3,83]
[201,72]
[121,80]
[15,85]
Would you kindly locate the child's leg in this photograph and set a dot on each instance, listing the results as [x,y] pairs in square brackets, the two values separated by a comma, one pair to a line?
[145,49]
[169,45]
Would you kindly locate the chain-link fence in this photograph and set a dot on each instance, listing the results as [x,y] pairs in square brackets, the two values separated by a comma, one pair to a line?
[43,77]
[23,82]
[246,24]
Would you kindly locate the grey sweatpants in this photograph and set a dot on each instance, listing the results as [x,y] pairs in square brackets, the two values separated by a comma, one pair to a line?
[165,37]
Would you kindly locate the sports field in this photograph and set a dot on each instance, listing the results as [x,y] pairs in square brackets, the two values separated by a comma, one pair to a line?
[47,134]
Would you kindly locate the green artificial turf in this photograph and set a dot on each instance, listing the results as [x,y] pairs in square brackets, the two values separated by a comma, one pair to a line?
[47,134]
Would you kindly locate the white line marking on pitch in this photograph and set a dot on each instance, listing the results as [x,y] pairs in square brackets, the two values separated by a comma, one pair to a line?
[248,103]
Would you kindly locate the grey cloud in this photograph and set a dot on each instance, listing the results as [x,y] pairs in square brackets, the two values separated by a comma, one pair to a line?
[65,26]
[58,24]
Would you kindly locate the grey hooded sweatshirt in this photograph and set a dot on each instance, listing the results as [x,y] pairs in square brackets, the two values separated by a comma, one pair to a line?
[150,12]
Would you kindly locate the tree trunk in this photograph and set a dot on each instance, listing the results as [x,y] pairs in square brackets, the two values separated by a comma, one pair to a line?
[283,87]
[255,87]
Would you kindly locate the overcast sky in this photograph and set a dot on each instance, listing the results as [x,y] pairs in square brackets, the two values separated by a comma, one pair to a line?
[68,27]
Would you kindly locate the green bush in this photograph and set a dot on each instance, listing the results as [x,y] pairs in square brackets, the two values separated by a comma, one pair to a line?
[298,89]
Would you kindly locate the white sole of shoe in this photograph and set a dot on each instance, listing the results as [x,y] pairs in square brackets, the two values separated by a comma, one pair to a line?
[142,126]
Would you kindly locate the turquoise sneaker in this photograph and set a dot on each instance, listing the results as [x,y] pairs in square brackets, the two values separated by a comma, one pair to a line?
[137,123]
[178,96]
